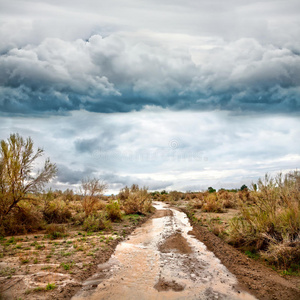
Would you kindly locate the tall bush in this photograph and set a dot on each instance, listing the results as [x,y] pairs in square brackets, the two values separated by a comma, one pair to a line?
[135,200]
[17,179]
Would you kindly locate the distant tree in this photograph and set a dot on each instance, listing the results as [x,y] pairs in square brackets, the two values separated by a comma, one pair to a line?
[211,190]
[17,179]
[244,187]
[163,192]
[91,189]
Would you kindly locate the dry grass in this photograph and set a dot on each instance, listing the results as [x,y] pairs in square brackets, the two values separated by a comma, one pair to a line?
[283,254]
[212,204]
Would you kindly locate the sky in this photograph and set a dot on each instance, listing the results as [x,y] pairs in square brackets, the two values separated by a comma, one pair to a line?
[175,95]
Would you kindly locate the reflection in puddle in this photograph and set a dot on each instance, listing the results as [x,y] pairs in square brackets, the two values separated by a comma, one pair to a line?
[161,260]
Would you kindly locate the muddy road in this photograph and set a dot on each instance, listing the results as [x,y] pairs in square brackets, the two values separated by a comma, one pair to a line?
[161,260]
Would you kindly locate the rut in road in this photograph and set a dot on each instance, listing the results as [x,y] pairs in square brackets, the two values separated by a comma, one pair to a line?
[160,260]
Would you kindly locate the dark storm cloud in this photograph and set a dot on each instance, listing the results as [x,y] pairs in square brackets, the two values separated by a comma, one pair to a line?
[104,56]
[71,176]
[118,74]
[86,145]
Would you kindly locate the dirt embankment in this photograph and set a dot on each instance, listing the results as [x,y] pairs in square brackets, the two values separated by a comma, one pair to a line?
[257,279]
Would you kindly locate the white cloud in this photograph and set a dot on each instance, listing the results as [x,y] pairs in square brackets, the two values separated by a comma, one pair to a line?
[27,22]
[211,149]
[119,73]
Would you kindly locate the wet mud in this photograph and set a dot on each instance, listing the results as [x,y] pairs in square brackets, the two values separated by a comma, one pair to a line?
[161,260]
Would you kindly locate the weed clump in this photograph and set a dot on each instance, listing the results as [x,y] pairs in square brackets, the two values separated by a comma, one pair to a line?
[283,254]
[175,196]
[50,286]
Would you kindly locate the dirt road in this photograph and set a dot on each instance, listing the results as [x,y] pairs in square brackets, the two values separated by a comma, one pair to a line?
[161,260]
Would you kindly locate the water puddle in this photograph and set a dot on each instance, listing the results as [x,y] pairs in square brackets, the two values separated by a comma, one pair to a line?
[160,260]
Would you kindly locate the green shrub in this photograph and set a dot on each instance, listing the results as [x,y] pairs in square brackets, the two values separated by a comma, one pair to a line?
[66,266]
[113,211]
[211,190]
[250,254]
[50,286]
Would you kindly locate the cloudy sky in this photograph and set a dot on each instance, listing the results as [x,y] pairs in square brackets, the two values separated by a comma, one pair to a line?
[168,94]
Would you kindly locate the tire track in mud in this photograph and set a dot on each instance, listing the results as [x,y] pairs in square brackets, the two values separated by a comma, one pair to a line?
[161,260]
